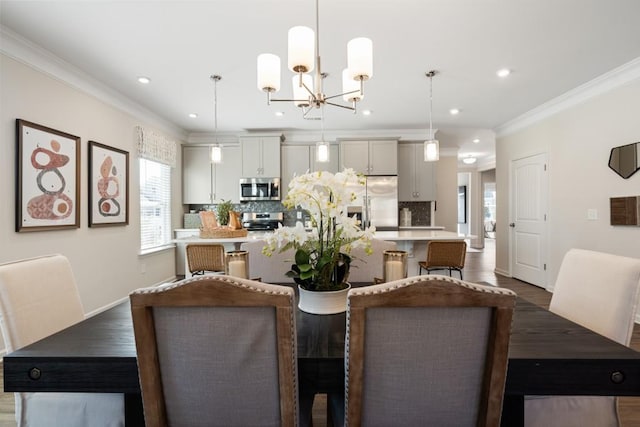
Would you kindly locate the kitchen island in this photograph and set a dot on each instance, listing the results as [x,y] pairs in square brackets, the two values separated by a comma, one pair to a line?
[413,241]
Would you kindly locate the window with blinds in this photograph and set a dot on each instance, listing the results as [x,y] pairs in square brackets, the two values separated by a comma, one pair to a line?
[155,205]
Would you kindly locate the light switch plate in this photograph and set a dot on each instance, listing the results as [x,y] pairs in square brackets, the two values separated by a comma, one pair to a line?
[592,214]
[299,215]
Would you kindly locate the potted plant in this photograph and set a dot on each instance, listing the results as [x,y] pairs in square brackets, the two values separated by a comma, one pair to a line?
[223,209]
[322,260]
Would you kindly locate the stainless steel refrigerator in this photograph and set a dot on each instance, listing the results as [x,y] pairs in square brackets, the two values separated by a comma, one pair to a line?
[377,203]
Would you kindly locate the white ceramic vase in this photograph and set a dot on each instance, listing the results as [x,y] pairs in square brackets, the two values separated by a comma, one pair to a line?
[323,302]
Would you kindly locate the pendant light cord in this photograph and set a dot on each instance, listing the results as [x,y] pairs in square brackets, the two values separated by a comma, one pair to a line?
[216,78]
[430,74]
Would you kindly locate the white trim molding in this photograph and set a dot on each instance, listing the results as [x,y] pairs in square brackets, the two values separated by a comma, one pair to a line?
[602,84]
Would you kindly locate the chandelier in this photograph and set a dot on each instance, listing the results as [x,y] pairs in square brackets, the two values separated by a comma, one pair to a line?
[304,57]
[431,145]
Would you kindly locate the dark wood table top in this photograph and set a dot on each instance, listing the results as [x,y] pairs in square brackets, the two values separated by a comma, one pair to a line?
[548,355]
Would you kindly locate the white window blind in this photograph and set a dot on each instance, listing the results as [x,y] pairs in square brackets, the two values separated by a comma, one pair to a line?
[155,205]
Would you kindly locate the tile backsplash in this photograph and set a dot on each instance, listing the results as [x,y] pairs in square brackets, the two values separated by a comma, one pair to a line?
[420,212]
[192,219]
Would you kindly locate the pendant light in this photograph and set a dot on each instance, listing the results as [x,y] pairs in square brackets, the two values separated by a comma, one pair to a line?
[431,145]
[322,146]
[216,149]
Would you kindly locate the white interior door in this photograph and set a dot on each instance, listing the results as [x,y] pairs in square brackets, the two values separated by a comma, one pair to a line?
[528,228]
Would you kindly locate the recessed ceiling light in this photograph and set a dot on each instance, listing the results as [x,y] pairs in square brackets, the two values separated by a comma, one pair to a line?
[366,112]
[193,115]
[144,80]
[454,111]
[504,72]
[279,113]
[475,141]
[469,160]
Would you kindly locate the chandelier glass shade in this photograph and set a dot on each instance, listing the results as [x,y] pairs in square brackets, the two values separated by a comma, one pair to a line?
[431,145]
[303,58]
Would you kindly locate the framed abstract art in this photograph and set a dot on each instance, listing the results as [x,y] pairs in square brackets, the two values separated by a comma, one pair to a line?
[108,185]
[48,178]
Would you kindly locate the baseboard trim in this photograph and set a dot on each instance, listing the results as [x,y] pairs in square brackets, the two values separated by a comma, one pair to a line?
[502,272]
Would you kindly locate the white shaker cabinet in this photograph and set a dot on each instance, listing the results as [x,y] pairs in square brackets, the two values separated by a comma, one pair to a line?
[374,157]
[204,182]
[416,178]
[298,159]
[260,156]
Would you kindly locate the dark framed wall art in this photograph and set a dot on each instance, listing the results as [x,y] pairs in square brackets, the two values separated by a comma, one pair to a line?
[48,178]
[108,185]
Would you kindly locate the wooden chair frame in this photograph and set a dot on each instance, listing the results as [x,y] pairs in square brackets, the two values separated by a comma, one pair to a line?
[213,291]
[205,257]
[444,255]
[434,291]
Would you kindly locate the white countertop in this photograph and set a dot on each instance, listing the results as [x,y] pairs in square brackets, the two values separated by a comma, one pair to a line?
[412,234]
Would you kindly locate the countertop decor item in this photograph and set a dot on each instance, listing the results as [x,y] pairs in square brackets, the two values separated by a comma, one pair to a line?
[223,210]
[322,255]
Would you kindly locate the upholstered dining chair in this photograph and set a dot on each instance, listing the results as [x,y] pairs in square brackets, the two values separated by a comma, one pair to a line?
[216,351]
[599,291]
[427,350]
[270,269]
[203,258]
[39,297]
[444,255]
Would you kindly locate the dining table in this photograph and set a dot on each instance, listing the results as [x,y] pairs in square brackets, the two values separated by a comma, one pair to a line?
[548,355]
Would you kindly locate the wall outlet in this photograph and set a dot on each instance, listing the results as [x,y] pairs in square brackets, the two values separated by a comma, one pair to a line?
[592,214]
[299,215]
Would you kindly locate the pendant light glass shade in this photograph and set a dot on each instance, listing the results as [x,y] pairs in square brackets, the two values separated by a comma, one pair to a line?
[431,150]
[216,154]
[269,72]
[360,58]
[302,52]
[322,152]
[350,85]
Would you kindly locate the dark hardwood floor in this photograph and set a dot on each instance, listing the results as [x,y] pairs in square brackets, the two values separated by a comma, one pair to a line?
[479,267]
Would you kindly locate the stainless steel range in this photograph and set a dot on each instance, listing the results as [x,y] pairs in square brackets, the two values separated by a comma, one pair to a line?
[254,221]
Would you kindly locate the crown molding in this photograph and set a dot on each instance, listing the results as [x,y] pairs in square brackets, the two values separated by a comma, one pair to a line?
[602,84]
[30,54]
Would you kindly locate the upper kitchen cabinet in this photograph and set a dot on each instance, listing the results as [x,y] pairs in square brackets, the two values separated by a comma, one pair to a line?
[298,159]
[416,178]
[204,182]
[374,157]
[260,156]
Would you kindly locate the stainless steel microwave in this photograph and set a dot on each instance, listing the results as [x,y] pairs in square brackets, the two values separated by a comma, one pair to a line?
[252,189]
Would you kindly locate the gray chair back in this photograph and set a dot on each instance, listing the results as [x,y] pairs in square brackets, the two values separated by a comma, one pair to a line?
[216,351]
[427,350]
[365,268]
[270,269]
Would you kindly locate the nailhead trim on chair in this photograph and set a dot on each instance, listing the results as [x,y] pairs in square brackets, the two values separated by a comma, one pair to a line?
[402,283]
[235,281]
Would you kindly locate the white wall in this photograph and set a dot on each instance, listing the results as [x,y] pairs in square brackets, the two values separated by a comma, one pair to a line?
[105,260]
[578,141]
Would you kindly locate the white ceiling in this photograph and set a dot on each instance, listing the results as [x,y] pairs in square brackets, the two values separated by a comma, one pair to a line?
[552,46]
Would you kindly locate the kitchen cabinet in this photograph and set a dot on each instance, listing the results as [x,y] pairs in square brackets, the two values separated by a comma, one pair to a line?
[298,159]
[416,178]
[260,156]
[373,157]
[204,182]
